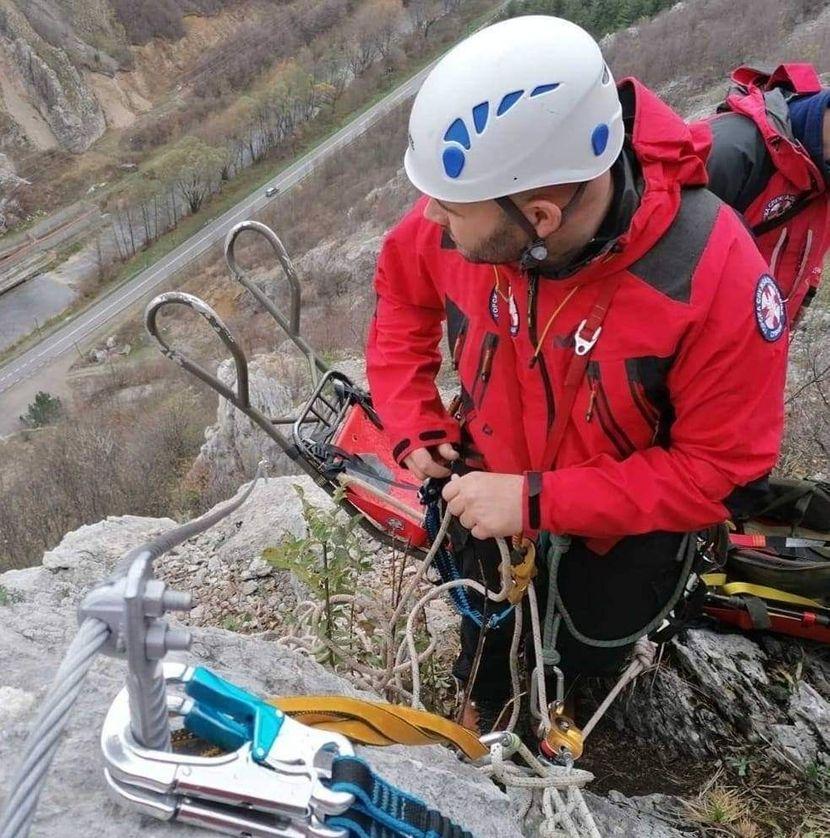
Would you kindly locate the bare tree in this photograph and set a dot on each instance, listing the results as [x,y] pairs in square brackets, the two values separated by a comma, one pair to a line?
[424,14]
[388,20]
[330,69]
[193,166]
[118,204]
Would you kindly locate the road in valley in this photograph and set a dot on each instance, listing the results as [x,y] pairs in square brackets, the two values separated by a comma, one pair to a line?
[65,339]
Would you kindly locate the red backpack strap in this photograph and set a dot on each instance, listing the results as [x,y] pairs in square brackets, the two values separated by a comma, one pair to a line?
[586,336]
[768,110]
[747,77]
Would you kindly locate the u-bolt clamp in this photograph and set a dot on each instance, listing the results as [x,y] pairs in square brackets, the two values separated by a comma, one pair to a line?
[271,784]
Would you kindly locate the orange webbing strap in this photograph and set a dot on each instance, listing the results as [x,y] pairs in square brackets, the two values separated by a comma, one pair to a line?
[378,723]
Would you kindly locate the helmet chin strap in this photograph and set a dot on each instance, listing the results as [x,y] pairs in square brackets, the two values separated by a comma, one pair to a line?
[536,251]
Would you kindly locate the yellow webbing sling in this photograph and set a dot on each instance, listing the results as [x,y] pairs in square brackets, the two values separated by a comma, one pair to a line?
[718,582]
[378,723]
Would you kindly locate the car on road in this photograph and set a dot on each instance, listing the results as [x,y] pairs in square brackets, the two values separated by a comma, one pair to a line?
[271,191]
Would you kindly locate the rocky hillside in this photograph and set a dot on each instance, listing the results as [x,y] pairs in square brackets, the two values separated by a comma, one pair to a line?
[68,70]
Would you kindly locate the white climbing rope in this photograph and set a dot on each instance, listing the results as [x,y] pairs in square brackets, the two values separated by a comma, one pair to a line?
[644,653]
[400,653]
[556,788]
[565,813]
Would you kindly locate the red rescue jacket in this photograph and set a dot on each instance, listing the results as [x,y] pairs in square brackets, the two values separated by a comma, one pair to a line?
[682,398]
[788,206]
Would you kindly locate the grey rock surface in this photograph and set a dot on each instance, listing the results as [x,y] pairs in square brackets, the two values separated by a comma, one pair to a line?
[234,445]
[338,267]
[61,96]
[10,210]
[722,687]
[39,623]
[652,816]
[223,568]
[48,53]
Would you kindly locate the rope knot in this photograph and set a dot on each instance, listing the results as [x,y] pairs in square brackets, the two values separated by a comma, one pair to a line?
[550,657]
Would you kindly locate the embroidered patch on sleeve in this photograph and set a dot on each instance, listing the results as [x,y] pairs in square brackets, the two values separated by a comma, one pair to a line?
[778,205]
[770,313]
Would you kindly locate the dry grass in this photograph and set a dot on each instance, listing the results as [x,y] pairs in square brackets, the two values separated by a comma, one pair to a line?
[721,809]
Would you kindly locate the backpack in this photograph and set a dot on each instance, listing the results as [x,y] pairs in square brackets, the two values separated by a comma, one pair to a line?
[790,218]
[777,570]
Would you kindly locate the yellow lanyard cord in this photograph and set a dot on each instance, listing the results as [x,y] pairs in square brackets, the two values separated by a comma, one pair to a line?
[551,319]
[497,286]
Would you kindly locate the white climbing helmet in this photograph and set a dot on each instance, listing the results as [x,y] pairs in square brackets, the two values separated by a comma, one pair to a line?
[524,103]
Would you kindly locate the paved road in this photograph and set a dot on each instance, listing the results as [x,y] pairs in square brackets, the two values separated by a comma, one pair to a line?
[64,340]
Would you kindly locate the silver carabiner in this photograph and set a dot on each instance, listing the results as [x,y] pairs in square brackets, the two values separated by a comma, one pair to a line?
[290,787]
[214,816]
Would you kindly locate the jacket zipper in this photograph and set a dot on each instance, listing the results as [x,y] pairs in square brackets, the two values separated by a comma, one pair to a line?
[805,255]
[458,348]
[484,368]
[532,295]
[599,405]
[647,410]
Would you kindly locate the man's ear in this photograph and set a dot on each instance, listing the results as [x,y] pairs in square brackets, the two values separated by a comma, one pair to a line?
[544,214]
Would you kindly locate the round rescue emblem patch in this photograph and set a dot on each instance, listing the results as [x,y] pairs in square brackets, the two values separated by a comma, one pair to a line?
[770,313]
[777,205]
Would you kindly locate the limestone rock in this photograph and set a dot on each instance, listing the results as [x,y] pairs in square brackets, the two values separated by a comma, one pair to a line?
[10,210]
[338,267]
[36,629]
[724,687]
[47,46]
[234,445]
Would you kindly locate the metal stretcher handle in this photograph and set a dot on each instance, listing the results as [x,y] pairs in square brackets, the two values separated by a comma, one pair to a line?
[241,396]
[332,391]
[291,326]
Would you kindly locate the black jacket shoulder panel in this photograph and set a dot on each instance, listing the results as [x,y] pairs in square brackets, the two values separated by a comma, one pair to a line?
[739,164]
[670,265]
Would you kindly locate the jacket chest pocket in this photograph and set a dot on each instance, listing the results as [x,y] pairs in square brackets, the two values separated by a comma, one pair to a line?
[483,371]
[474,362]
[458,324]
[628,402]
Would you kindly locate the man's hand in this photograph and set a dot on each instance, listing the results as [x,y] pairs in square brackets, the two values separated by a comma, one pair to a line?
[423,463]
[489,505]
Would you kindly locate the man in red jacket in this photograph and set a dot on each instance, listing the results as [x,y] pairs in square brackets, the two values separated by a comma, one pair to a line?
[619,341]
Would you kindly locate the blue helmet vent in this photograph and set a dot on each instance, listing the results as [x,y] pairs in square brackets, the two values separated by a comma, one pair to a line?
[599,138]
[453,159]
[543,88]
[458,133]
[508,101]
[480,114]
